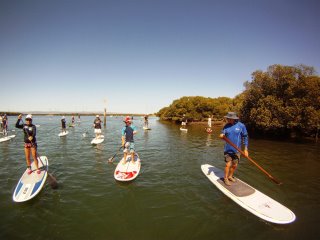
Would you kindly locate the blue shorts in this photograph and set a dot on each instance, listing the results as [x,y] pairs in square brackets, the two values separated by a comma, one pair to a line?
[129,147]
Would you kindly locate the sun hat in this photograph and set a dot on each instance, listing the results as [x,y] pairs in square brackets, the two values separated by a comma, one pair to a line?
[63,117]
[29,116]
[232,115]
[97,116]
[127,119]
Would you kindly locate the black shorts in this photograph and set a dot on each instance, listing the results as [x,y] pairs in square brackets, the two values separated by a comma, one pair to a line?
[234,157]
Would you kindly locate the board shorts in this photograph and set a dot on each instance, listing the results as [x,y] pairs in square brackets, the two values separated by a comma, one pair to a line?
[30,145]
[129,147]
[234,157]
[97,130]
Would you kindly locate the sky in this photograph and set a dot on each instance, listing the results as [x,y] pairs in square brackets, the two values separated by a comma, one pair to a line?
[138,56]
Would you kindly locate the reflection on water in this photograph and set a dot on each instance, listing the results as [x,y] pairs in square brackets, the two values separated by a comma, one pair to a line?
[170,199]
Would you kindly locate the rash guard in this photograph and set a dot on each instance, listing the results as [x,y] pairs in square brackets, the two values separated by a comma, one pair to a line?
[29,130]
[237,134]
[128,132]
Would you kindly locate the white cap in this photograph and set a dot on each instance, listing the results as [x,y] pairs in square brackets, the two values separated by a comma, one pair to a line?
[29,116]
[63,117]
[97,115]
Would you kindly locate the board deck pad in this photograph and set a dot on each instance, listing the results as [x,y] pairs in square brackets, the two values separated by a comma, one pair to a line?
[128,171]
[250,198]
[237,188]
[30,185]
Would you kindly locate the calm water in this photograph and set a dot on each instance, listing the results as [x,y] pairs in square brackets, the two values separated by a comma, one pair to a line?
[170,199]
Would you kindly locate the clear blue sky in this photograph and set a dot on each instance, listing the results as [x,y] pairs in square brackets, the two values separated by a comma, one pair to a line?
[140,55]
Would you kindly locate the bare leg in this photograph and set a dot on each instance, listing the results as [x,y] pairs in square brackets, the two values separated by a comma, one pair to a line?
[124,158]
[232,169]
[227,169]
[34,155]
[27,154]
[226,173]
[132,157]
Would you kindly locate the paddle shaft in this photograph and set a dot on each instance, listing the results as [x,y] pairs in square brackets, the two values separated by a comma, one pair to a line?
[256,164]
[111,159]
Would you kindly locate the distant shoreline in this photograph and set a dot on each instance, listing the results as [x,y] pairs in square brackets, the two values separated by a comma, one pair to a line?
[37,113]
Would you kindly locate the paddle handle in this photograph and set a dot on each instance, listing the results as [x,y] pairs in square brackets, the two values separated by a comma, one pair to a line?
[256,164]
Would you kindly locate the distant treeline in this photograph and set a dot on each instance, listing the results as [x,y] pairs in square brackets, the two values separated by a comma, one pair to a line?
[282,101]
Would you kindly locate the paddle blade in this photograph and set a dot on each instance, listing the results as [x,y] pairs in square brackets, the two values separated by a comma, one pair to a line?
[52,181]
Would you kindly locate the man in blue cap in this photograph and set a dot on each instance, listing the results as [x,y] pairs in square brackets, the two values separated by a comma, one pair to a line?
[237,133]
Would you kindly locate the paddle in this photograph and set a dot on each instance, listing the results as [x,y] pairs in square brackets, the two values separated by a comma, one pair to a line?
[110,160]
[257,165]
[52,180]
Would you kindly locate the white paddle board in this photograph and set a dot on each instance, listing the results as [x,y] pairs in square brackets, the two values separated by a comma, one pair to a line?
[146,128]
[128,171]
[30,185]
[97,140]
[184,129]
[63,134]
[7,138]
[250,198]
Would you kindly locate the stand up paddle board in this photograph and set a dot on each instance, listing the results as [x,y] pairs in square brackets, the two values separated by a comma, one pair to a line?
[128,171]
[7,138]
[146,128]
[63,134]
[30,185]
[250,198]
[184,129]
[97,140]
[209,130]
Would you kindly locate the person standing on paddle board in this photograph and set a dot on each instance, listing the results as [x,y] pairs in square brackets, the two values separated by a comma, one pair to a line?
[30,141]
[5,125]
[127,139]
[146,122]
[184,121]
[97,126]
[237,133]
[209,121]
[63,124]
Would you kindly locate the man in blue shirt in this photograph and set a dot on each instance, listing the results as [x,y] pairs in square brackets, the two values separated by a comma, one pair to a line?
[237,133]
[127,139]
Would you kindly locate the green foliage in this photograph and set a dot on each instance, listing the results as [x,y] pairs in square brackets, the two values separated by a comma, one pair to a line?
[196,108]
[283,98]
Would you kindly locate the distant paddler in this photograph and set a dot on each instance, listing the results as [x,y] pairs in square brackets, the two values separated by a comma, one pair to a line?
[63,124]
[30,141]
[209,121]
[97,126]
[5,125]
[184,121]
[208,129]
[146,121]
